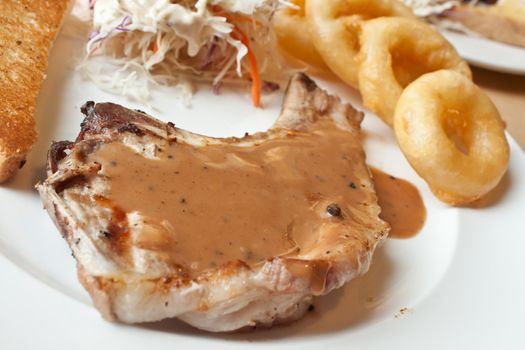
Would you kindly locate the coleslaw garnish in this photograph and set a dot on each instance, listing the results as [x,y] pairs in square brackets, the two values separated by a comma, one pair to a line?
[137,43]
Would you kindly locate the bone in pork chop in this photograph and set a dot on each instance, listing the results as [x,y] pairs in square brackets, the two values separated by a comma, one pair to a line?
[221,233]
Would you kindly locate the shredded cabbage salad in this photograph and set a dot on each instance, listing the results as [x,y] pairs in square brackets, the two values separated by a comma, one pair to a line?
[144,42]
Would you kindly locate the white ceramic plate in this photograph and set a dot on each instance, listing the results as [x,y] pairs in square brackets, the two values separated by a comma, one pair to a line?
[488,54]
[458,284]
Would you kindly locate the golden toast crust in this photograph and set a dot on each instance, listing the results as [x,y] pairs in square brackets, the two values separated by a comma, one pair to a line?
[27,31]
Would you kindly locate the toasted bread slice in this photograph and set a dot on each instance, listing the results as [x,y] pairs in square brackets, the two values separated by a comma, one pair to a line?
[27,31]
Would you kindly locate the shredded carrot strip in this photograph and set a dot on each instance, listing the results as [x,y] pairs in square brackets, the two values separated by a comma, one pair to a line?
[258,23]
[93,50]
[237,34]
[154,47]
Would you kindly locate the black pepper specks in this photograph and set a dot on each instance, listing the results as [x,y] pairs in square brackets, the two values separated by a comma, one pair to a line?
[333,210]
[311,308]
[352,185]
[247,253]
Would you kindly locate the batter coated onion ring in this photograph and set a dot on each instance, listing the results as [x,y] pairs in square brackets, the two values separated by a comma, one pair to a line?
[293,34]
[452,135]
[395,52]
[335,26]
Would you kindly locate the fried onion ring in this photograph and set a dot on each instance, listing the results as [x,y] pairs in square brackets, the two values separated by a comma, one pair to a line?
[395,52]
[335,26]
[293,36]
[452,135]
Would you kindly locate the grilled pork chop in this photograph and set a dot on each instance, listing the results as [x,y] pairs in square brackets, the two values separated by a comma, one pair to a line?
[221,233]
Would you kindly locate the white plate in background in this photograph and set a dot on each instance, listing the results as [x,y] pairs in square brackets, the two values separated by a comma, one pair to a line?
[488,54]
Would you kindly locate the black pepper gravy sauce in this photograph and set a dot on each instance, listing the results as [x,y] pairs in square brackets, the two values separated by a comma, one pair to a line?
[401,204]
[214,204]
[220,203]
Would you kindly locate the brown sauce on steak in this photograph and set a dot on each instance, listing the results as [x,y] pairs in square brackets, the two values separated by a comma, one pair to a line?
[401,204]
[206,206]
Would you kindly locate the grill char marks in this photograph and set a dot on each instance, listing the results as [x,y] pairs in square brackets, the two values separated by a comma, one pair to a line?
[104,118]
[56,153]
[117,233]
